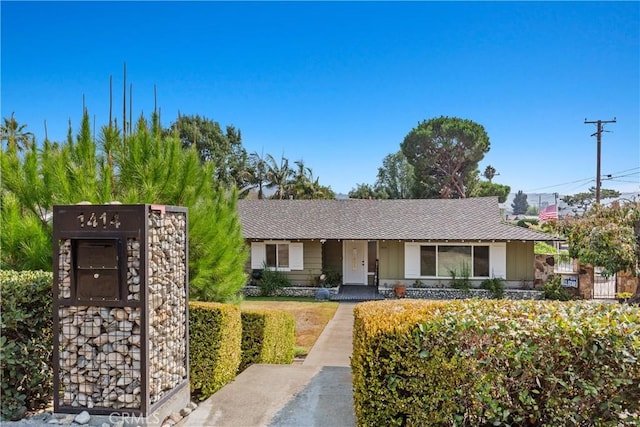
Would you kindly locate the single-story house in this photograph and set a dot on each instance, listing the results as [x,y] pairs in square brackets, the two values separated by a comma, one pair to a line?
[388,241]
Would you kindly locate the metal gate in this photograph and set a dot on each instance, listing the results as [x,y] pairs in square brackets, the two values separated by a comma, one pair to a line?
[603,287]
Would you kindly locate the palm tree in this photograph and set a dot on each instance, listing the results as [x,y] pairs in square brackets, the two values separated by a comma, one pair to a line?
[278,175]
[256,174]
[489,172]
[15,134]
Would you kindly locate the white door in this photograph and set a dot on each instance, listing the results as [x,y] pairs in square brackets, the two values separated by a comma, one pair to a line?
[355,262]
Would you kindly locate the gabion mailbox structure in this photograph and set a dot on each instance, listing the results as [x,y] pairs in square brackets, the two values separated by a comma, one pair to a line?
[120,307]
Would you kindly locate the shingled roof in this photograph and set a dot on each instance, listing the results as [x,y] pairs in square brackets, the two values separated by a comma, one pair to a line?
[423,219]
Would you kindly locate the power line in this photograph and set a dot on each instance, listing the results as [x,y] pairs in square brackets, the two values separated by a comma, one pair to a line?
[620,180]
[585,180]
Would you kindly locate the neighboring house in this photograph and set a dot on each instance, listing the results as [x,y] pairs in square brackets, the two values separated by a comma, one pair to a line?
[390,240]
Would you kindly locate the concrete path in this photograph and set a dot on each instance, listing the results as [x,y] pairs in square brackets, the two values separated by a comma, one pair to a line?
[317,393]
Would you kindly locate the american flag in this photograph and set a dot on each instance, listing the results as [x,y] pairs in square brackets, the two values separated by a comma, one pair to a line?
[550,212]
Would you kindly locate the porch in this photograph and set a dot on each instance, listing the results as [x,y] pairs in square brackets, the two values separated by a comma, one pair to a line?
[356,293]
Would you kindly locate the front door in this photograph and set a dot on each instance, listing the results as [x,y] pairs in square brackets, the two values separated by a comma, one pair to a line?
[355,262]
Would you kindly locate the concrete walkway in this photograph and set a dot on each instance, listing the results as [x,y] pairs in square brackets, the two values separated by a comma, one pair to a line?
[317,393]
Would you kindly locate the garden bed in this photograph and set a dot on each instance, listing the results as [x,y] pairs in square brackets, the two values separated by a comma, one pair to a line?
[412,293]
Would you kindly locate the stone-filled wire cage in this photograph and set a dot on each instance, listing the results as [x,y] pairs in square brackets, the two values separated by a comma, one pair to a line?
[120,307]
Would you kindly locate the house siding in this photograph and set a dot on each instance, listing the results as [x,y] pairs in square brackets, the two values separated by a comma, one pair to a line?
[312,264]
[312,253]
[520,261]
[391,256]
[332,256]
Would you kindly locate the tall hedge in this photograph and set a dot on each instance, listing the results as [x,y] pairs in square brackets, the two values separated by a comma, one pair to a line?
[215,333]
[26,341]
[268,336]
[472,363]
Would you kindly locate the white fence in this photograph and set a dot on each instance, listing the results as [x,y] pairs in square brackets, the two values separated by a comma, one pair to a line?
[603,287]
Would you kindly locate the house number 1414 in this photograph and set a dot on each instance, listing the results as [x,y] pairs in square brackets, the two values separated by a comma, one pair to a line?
[95,220]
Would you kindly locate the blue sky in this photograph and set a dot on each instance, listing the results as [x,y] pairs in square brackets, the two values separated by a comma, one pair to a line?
[339,84]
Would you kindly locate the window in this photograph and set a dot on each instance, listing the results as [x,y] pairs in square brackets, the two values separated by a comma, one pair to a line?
[277,255]
[454,258]
[481,261]
[441,260]
[427,260]
[285,256]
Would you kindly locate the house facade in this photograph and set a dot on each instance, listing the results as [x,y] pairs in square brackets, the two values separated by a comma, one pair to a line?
[423,241]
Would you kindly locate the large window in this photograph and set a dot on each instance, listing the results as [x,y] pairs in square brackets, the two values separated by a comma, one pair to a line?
[442,260]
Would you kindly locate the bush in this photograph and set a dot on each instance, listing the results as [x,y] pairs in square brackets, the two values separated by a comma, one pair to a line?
[271,280]
[461,280]
[527,222]
[553,290]
[479,363]
[334,278]
[495,285]
[268,336]
[26,343]
[215,333]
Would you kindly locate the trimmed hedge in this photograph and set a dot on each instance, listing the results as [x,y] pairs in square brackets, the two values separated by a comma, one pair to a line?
[26,342]
[268,336]
[215,333]
[480,363]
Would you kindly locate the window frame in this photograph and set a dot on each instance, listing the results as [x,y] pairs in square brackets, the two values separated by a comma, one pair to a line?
[295,255]
[277,245]
[437,246]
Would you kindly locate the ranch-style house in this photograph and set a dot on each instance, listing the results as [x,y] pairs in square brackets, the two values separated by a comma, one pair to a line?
[388,241]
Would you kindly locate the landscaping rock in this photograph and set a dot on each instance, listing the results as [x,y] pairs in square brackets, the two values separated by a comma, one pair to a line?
[323,294]
[82,418]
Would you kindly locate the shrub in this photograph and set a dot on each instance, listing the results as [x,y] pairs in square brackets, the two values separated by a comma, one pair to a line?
[26,343]
[334,278]
[268,336]
[461,280]
[495,285]
[271,280]
[474,362]
[215,333]
[527,222]
[553,290]
[543,248]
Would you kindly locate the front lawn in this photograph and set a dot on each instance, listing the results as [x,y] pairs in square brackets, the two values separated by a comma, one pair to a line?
[311,316]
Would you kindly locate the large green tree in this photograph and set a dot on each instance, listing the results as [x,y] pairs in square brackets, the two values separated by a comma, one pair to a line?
[607,237]
[395,177]
[445,153]
[149,168]
[223,149]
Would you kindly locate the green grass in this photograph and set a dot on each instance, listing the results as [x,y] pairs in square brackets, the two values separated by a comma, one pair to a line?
[311,316]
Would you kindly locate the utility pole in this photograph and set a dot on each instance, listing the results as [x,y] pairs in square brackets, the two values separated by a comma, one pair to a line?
[599,139]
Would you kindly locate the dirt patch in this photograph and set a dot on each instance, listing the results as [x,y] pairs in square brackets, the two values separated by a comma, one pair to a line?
[311,317]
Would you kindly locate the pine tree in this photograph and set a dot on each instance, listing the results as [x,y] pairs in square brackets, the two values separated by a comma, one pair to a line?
[520,204]
[149,168]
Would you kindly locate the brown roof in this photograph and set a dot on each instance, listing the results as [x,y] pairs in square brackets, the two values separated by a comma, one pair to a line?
[421,219]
